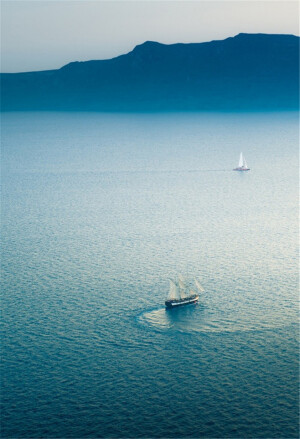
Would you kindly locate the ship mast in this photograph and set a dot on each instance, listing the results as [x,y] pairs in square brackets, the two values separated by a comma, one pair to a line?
[182,287]
[241,162]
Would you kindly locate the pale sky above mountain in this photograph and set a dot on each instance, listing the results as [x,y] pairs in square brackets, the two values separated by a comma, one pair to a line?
[43,34]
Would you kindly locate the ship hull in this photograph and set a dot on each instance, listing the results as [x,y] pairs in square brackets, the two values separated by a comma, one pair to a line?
[241,169]
[181,302]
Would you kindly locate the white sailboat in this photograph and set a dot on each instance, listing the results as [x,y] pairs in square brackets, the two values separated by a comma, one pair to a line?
[242,164]
[179,294]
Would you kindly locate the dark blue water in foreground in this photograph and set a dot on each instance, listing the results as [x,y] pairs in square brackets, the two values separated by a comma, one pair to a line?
[99,211]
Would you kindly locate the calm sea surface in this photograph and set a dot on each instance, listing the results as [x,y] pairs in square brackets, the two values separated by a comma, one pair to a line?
[99,211]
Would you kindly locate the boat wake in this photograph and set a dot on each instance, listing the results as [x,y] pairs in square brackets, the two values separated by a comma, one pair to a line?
[198,318]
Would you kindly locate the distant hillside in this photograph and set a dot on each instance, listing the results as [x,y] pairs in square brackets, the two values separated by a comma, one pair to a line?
[246,72]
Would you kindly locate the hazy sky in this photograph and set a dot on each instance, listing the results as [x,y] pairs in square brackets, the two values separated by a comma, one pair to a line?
[43,34]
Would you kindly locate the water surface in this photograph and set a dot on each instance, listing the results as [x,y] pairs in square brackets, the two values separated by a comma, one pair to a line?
[99,211]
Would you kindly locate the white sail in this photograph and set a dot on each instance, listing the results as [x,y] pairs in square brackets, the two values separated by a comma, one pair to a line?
[245,163]
[182,287]
[241,160]
[198,285]
[181,284]
[173,292]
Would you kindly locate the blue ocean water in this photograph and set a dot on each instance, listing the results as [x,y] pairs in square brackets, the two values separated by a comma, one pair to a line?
[98,212]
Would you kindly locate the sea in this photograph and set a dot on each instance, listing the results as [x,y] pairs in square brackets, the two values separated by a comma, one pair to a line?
[99,211]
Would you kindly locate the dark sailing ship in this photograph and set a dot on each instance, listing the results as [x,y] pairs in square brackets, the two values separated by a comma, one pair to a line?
[179,294]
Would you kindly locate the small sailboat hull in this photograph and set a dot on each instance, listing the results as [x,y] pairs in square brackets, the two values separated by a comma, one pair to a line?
[180,302]
[241,169]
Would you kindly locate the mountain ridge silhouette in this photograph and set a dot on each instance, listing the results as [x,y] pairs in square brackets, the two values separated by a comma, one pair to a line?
[241,73]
